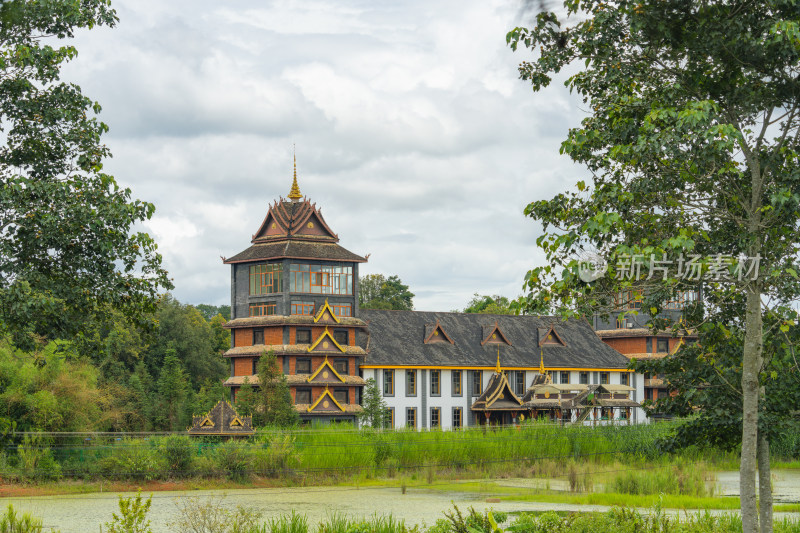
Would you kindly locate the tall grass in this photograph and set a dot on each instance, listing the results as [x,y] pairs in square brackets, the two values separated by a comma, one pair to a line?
[331,451]
[681,478]
[341,453]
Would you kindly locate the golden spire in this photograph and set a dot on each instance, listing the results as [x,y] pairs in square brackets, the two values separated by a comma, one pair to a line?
[295,194]
[541,363]
[497,368]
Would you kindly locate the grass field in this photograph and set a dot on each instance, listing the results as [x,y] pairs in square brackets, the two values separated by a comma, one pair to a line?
[615,465]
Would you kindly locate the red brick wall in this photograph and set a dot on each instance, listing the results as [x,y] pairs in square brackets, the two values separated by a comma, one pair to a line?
[243,337]
[243,366]
[628,345]
[273,335]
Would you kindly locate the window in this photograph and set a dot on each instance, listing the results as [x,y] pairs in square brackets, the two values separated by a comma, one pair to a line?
[340,395]
[436,384]
[303,336]
[265,279]
[627,300]
[302,366]
[321,279]
[477,384]
[263,309]
[682,299]
[411,417]
[457,417]
[258,336]
[436,417]
[620,323]
[302,396]
[519,382]
[255,366]
[341,336]
[340,365]
[341,310]
[388,383]
[456,375]
[603,378]
[565,378]
[583,378]
[648,394]
[389,420]
[302,308]
[624,378]
[662,345]
[411,382]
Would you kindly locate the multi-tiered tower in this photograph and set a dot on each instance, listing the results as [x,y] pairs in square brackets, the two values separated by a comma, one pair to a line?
[295,291]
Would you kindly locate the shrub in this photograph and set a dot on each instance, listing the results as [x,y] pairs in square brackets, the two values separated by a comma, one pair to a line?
[474,522]
[11,523]
[132,459]
[178,455]
[295,523]
[36,460]
[276,457]
[211,516]
[234,458]
[132,516]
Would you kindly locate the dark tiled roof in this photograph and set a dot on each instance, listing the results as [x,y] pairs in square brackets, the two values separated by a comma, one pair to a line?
[292,218]
[296,250]
[396,338]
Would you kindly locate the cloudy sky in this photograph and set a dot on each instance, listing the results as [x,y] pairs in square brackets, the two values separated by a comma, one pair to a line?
[412,130]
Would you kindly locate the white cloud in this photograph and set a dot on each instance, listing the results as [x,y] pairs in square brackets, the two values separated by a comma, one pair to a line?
[413,133]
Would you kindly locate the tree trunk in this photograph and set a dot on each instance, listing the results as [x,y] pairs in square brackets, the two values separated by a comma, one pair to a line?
[751,366]
[764,485]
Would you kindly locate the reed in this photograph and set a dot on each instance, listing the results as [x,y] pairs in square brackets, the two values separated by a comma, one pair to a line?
[340,453]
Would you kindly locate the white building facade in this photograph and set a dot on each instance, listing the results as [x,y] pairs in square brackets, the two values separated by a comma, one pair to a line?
[431,367]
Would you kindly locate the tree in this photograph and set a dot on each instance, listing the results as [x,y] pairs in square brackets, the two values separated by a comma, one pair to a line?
[493,305]
[374,413]
[210,393]
[211,311]
[221,336]
[67,251]
[172,395]
[274,406]
[246,399]
[691,139]
[378,292]
[706,378]
[52,390]
[182,329]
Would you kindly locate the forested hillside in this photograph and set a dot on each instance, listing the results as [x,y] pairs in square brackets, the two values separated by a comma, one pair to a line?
[116,377]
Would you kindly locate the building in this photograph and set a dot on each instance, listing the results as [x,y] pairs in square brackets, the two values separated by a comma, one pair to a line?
[294,291]
[628,333]
[434,368]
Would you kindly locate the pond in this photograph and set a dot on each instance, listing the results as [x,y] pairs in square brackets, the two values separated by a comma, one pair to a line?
[81,513]
[86,512]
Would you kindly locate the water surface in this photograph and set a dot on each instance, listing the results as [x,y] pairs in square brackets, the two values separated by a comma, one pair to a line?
[86,512]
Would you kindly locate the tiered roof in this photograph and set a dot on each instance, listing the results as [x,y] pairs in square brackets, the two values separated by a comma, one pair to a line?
[294,228]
